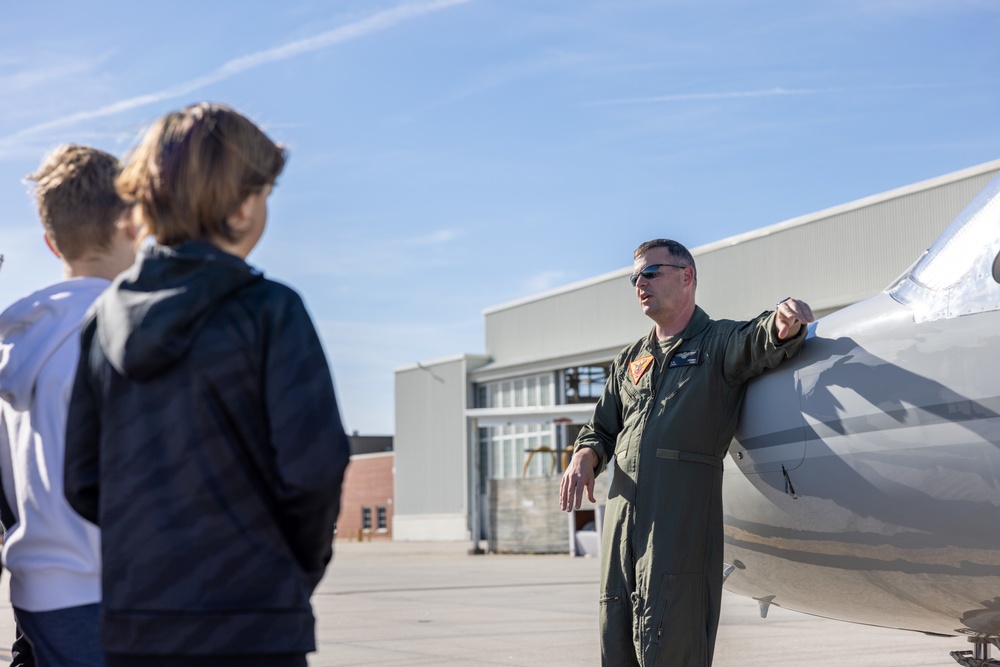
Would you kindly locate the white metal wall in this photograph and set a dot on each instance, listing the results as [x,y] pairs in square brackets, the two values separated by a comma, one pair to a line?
[430,441]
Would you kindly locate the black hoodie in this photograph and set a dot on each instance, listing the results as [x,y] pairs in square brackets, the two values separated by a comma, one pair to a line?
[204,439]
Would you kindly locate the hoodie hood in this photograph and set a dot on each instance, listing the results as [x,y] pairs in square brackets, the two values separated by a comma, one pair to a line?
[32,329]
[148,319]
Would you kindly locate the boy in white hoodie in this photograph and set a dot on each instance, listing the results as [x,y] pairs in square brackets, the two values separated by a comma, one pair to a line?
[53,554]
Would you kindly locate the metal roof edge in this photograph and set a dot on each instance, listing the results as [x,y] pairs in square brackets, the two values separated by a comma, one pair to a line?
[864,202]
[465,356]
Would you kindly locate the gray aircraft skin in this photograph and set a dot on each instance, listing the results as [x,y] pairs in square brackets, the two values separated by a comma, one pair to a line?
[864,481]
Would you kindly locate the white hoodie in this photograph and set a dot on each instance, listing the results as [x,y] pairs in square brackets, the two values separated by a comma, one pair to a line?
[52,553]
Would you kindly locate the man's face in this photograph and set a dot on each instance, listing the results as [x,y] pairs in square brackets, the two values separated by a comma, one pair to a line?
[664,295]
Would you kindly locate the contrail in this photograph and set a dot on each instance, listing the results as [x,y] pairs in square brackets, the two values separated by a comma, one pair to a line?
[693,97]
[777,91]
[345,33]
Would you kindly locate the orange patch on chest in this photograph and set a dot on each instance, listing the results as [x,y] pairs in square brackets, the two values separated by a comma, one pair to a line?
[638,367]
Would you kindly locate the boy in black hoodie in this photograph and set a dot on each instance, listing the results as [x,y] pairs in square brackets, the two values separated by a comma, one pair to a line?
[204,436]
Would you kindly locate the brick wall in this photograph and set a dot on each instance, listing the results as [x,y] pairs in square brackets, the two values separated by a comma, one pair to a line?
[367,484]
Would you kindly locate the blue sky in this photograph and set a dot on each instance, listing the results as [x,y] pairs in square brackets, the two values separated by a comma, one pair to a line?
[451,155]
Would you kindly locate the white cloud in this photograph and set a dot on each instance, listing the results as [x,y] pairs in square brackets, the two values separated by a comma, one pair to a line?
[438,237]
[374,23]
[698,97]
[352,248]
[892,7]
[504,76]
[543,281]
[44,76]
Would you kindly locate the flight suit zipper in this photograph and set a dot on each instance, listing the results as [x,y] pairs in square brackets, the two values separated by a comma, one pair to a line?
[652,402]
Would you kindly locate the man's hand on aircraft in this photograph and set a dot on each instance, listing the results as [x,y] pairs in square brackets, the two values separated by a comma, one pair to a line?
[579,475]
[791,315]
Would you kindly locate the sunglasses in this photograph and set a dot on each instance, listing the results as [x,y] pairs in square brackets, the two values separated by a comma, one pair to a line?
[651,272]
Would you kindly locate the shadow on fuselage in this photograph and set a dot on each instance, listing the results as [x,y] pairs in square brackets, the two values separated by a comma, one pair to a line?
[913,460]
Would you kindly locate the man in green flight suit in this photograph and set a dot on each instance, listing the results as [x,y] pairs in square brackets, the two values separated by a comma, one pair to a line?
[666,417]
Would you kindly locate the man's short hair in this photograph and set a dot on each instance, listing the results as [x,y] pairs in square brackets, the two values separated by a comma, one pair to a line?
[676,250]
[194,168]
[74,190]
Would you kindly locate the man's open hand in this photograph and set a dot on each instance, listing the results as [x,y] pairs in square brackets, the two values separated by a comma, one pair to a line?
[579,475]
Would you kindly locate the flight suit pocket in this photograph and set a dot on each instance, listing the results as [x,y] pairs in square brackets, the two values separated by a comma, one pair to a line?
[616,628]
[680,623]
[629,392]
[634,402]
[621,447]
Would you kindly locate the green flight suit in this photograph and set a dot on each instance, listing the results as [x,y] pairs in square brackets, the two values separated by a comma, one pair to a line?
[661,555]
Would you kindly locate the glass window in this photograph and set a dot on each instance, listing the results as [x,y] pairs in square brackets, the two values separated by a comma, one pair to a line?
[383,518]
[584,384]
[972,234]
[366,518]
[509,460]
[527,391]
[955,277]
[545,390]
[505,447]
[510,446]
[520,453]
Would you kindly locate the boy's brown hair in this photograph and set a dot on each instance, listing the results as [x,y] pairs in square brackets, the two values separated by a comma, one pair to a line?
[76,198]
[194,168]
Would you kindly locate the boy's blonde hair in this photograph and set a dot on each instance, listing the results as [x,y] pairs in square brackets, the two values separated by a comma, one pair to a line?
[194,168]
[76,198]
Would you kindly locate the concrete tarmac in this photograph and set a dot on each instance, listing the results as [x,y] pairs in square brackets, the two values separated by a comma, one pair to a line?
[401,604]
[431,604]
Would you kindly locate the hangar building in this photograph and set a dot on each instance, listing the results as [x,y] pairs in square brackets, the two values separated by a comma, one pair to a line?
[481,438]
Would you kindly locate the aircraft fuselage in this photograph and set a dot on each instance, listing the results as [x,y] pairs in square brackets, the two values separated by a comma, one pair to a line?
[864,481]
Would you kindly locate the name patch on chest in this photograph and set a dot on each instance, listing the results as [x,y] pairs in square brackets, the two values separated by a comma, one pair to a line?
[638,367]
[689,358]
